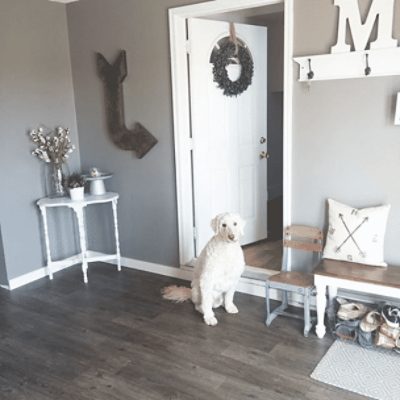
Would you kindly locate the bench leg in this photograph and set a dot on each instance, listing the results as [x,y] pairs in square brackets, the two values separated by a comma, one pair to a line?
[267,305]
[307,316]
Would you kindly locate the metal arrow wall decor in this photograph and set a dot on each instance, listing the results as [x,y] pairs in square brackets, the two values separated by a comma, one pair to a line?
[138,139]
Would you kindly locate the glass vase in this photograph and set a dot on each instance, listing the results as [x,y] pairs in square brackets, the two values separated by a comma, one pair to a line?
[57,177]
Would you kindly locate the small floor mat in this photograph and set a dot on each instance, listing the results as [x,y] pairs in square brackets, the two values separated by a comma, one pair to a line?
[372,373]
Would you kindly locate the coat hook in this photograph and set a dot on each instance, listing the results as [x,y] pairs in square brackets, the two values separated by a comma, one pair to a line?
[310,74]
[367,68]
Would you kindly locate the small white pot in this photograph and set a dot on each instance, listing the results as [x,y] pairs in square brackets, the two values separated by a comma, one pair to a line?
[97,187]
[77,194]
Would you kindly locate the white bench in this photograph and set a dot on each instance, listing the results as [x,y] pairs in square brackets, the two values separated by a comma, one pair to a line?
[336,275]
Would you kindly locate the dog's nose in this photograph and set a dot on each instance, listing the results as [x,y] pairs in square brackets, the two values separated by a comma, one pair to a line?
[231,237]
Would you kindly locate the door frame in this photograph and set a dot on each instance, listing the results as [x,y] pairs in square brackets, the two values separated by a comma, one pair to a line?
[181,110]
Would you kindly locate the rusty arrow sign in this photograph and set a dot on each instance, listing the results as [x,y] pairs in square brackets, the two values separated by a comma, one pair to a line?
[138,139]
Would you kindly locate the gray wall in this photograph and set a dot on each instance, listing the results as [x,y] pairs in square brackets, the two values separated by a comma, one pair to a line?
[147,208]
[35,88]
[345,144]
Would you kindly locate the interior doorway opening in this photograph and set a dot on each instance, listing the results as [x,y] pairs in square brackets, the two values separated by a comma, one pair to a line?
[263,244]
[264,253]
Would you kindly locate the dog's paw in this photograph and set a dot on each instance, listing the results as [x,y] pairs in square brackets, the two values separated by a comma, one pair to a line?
[211,321]
[231,309]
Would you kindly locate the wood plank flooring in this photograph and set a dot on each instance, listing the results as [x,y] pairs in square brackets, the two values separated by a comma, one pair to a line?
[266,254]
[116,339]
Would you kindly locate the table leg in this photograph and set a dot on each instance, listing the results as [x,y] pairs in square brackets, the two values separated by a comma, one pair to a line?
[82,240]
[47,242]
[332,290]
[116,234]
[321,306]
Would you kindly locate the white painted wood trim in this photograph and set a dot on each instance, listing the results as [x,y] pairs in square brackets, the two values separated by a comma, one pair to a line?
[25,279]
[35,275]
[254,287]
[383,62]
[158,269]
[288,119]
[181,117]
[397,113]
[219,6]
[362,287]
[181,112]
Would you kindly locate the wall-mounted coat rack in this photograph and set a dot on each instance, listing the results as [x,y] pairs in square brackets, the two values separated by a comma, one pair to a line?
[382,62]
[382,57]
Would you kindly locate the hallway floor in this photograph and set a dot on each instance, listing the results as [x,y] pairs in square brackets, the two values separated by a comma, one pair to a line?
[116,339]
[266,254]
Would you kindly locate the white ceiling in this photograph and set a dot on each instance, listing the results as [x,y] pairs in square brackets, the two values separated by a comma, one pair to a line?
[63,1]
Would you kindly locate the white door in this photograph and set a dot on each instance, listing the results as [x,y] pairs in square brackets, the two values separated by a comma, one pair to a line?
[228,134]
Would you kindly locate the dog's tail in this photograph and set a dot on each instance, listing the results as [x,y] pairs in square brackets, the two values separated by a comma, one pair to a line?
[178,294]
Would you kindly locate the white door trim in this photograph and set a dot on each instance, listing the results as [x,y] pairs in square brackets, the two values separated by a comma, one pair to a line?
[181,110]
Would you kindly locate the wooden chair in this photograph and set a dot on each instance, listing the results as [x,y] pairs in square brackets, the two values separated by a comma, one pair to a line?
[298,237]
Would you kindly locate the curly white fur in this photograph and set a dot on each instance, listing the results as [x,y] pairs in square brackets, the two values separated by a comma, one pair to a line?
[217,272]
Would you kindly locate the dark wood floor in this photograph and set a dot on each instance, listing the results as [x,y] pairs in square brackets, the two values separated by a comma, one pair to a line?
[116,339]
[266,254]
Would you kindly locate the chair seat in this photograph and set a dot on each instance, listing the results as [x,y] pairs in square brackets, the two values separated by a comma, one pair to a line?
[300,279]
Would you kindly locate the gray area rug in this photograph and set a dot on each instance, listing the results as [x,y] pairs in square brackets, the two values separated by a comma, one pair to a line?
[372,373]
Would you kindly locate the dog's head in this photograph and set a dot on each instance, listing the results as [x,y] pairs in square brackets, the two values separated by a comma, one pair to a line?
[228,226]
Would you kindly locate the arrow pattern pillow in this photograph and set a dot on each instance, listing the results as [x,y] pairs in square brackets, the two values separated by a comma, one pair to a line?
[356,235]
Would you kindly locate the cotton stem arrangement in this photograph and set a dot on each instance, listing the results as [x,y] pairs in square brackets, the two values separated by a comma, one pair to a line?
[54,147]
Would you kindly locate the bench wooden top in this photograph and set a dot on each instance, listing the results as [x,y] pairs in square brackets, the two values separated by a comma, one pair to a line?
[385,276]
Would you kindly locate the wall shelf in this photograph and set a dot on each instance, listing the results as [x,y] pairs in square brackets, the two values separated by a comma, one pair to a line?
[382,62]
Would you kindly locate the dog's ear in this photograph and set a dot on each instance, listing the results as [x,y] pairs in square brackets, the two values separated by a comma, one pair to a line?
[215,224]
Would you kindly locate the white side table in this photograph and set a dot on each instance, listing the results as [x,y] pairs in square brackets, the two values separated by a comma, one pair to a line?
[85,255]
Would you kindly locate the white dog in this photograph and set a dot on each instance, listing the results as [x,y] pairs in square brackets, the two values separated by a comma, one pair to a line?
[217,272]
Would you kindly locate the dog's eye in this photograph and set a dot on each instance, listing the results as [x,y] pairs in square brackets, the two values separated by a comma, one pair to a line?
[224,225]
[235,223]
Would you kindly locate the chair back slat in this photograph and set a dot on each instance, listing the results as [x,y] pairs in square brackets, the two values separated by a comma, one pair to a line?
[305,246]
[304,232]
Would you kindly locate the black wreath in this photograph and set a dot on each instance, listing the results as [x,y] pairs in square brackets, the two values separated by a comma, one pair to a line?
[222,56]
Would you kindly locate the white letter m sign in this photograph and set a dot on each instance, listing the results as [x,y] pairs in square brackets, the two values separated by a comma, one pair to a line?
[349,11]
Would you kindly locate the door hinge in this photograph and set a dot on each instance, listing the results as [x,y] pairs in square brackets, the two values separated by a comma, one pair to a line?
[188,47]
[190,143]
[194,233]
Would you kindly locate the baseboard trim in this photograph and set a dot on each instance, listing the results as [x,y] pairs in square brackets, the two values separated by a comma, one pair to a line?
[33,276]
[153,268]
[251,286]
[41,273]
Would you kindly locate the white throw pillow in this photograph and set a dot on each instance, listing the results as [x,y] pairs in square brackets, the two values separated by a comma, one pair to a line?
[356,235]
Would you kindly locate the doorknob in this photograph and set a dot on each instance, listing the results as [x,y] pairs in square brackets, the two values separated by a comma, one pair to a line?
[263,154]
[262,140]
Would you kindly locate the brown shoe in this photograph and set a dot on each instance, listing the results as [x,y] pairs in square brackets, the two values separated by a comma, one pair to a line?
[384,341]
[392,333]
[371,322]
[351,311]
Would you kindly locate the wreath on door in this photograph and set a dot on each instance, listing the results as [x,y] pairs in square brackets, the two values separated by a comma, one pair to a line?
[230,50]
